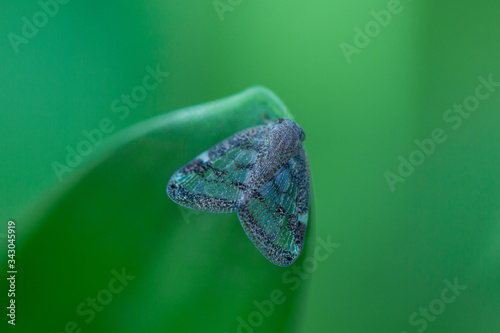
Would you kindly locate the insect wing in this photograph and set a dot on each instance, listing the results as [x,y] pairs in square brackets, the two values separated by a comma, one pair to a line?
[275,215]
[214,180]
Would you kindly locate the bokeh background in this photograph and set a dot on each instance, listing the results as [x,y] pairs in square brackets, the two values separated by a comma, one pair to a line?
[360,113]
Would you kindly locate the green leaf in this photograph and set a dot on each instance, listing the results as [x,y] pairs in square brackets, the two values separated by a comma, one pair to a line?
[192,271]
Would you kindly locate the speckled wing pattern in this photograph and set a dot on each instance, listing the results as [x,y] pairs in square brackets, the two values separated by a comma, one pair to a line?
[275,215]
[214,180]
[263,174]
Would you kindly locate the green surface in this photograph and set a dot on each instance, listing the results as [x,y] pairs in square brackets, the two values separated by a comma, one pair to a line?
[115,220]
[397,247]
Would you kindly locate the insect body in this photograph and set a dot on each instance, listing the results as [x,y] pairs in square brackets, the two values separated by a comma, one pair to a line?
[262,173]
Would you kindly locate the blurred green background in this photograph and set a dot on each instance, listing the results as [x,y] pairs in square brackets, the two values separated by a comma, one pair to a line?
[360,113]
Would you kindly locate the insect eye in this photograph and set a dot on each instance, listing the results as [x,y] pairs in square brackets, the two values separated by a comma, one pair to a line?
[302,136]
[279,121]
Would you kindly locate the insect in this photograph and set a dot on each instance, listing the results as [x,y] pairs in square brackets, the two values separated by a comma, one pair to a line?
[263,174]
